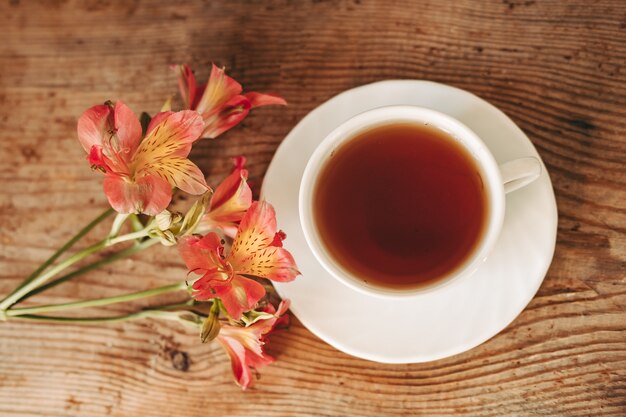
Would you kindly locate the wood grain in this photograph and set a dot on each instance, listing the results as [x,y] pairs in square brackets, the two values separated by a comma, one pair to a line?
[556,68]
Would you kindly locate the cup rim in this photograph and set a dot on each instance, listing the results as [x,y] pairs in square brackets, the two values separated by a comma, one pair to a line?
[389,115]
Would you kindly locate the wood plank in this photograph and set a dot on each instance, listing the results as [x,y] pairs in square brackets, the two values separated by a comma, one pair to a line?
[556,68]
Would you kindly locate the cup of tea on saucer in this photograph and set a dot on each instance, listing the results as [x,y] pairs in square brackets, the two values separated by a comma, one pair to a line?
[401,200]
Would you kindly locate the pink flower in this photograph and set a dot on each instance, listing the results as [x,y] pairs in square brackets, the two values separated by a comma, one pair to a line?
[230,201]
[244,345]
[219,101]
[140,174]
[257,251]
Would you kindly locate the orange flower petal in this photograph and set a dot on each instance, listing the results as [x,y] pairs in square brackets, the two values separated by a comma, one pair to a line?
[256,231]
[219,89]
[245,345]
[242,361]
[261,99]
[229,202]
[167,133]
[200,254]
[149,194]
[239,295]
[92,125]
[127,128]
[115,129]
[225,117]
[181,173]
[97,159]
[232,197]
[164,150]
[252,252]
[273,263]
[204,287]
[186,84]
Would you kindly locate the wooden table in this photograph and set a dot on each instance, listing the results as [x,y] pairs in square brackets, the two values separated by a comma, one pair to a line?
[555,67]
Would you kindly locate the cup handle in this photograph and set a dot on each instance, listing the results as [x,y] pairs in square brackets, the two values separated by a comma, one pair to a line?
[519,173]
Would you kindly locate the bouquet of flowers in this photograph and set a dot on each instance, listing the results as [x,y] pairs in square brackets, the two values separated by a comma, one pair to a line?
[229,243]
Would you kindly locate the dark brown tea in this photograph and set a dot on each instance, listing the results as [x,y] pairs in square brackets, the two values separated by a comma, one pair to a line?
[400,205]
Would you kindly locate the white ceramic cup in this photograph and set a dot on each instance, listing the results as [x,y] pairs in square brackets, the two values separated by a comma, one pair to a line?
[498,181]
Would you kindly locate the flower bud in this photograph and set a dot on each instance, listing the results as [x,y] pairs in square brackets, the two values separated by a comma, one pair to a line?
[195,213]
[166,237]
[211,326]
[164,220]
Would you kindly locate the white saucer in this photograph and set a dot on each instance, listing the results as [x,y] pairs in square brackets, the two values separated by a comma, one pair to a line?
[437,324]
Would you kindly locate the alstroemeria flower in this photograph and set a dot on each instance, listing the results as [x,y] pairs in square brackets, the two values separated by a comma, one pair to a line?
[257,251]
[140,173]
[229,202]
[219,101]
[245,344]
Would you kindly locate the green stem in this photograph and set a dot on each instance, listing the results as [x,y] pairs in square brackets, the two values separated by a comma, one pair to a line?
[135,222]
[187,305]
[124,238]
[97,302]
[41,279]
[138,315]
[118,222]
[59,252]
[94,265]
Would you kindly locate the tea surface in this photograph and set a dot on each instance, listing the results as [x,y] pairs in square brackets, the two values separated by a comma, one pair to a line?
[400,205]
